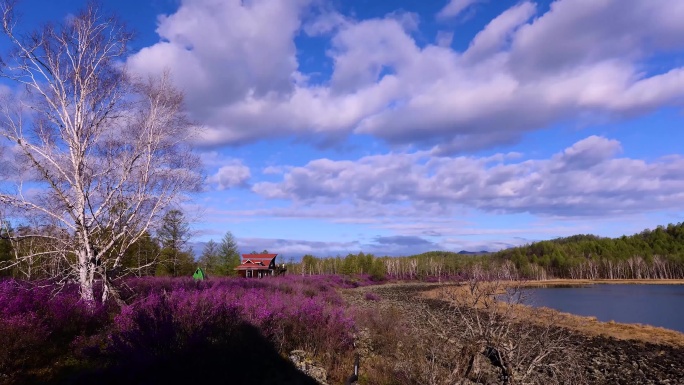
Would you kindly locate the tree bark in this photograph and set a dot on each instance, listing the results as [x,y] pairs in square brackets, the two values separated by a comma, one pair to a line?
[86,277]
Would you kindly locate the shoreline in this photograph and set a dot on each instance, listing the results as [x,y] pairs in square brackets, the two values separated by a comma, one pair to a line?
[587,325]
[575,282]
[590,326]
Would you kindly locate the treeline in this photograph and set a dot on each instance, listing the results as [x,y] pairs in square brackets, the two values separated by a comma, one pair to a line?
[34,253]
[650,254]
[433,265]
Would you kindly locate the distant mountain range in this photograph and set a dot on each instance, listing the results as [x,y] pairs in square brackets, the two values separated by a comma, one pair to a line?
[465,252]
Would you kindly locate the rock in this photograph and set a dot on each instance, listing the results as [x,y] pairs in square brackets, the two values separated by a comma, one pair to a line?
[363,343]
[305,363]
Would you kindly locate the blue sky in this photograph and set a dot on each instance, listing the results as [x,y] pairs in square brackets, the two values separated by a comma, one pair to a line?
[397,127]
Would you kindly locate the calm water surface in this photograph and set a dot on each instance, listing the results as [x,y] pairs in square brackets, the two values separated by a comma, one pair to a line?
[658,305]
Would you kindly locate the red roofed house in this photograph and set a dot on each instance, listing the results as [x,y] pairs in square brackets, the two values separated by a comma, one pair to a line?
[258,266]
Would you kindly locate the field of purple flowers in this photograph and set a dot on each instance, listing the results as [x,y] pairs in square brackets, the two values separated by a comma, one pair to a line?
[51,337]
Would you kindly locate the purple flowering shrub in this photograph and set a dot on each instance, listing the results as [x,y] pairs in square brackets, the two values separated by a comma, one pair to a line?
[20,336]
[163,324]
[180,315]
[168,318]
[37,324]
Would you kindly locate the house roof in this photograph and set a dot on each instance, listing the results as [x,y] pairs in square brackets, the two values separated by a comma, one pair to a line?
[265,258]
[255,261]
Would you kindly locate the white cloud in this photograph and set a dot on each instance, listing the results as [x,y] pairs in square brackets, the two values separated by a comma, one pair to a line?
[326,23]
[520,73]
[363,51]
[234,174]
[577,33]
[225,51]
[586,179]
[493,38]
[455,8]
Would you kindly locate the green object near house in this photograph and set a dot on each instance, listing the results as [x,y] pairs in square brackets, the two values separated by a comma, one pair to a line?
[199,274]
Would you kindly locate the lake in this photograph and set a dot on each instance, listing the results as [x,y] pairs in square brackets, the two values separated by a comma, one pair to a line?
[657,305]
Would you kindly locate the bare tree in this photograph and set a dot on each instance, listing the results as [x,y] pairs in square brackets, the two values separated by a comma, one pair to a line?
[100,154]
[524,346]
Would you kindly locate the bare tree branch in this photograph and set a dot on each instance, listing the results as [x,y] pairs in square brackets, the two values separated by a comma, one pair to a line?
[104,153]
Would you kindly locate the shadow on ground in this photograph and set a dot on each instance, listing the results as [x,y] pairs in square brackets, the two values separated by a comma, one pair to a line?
[246,358]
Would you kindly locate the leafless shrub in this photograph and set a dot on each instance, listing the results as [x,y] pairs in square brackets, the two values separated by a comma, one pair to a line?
[491,323]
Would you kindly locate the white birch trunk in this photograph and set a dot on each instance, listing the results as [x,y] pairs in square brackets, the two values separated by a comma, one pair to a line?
[107,152]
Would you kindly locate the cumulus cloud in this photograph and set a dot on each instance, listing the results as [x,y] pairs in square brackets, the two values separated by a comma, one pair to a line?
[223,52]
[583,32]
[586,179]
[524,71]
[234,174]
[496,34]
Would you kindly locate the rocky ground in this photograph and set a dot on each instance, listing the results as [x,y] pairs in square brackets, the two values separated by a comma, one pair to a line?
[604,360]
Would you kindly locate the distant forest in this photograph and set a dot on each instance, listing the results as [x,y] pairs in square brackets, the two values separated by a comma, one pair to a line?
[650,254]
[655,254]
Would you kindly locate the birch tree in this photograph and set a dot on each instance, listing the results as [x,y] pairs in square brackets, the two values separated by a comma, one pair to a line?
[99,153]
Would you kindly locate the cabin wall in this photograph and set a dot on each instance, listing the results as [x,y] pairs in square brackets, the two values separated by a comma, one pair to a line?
[256,273]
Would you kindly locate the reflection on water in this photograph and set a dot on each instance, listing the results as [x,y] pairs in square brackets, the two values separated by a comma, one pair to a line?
[657,305]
